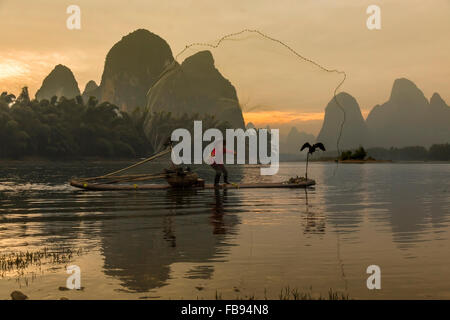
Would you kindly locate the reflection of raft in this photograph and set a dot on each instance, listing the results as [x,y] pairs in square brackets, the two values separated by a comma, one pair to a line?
[105,187]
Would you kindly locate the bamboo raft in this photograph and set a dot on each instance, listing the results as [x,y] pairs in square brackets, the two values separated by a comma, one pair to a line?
[176,178]
[111,187]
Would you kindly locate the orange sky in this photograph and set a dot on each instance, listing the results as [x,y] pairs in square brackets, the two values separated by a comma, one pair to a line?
[264,117]
[412,43]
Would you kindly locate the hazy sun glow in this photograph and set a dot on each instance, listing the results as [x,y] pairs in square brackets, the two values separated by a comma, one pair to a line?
[10,69]
[265,117]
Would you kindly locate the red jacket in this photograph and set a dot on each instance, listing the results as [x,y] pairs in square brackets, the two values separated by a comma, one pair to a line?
[213,154]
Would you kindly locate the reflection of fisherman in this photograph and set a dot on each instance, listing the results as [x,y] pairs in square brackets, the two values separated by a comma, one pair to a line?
[217,163]
[218,212]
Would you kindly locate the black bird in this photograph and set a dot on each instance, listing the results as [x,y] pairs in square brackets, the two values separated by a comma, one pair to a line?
[311,150]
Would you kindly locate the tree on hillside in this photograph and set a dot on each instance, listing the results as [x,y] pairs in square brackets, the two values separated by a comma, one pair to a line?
[440,152]
[358,154]
[62,128]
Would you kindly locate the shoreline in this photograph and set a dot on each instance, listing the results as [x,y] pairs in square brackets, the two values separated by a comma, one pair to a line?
[358,161]
[69,160]
[134,160]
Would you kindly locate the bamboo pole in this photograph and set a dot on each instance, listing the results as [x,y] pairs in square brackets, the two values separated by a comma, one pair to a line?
[132,166]
[137,178]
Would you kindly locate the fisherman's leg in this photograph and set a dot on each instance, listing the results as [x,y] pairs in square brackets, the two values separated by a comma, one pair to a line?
[218,173]
[217,179]
[225,175]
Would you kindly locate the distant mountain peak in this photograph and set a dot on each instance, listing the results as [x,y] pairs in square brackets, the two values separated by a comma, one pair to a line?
[90,86]
[345,100]
[404,84]
[294,140]
[60,82]
[407,118]
[436,100]
[354,130]
[250,125]
[61,68]
[139,34]
[131,67]
[197,87]
[91,89]
[345,95]
[405,92]
[200,60]
[293,130]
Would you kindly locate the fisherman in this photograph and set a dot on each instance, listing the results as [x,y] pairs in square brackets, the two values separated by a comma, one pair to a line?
[217,157]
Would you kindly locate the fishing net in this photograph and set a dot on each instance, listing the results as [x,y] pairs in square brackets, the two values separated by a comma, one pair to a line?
[277,86]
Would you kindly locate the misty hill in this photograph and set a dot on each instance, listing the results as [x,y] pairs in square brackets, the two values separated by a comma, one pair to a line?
[60,82]
[440,114]
[354,132]
[250,125]
[294,141]
[131,67]
[197,87]
[407,118]
[91,89]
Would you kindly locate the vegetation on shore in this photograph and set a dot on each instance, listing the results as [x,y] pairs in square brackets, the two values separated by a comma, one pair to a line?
[18,262]
[63,128]
[358,154]
[72,129]
[436,152]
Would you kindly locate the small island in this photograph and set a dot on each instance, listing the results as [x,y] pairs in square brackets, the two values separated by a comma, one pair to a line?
[357,156]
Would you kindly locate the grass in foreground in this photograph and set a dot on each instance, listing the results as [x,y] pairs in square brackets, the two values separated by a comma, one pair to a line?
[287,293]
[19,261]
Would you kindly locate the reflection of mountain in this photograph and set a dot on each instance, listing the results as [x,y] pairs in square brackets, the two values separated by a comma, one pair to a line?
[411,199]
[140,248]
[345,201]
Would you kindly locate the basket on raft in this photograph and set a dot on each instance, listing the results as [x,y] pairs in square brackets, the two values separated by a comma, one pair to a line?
[182,178]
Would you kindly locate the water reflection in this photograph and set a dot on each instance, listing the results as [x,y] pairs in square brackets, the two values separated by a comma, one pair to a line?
[140,250]
[314,221]
[141,236]
[218,212]
[413,201]
[345,212]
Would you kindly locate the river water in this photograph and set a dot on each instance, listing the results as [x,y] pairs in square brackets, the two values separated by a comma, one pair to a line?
[245,243]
